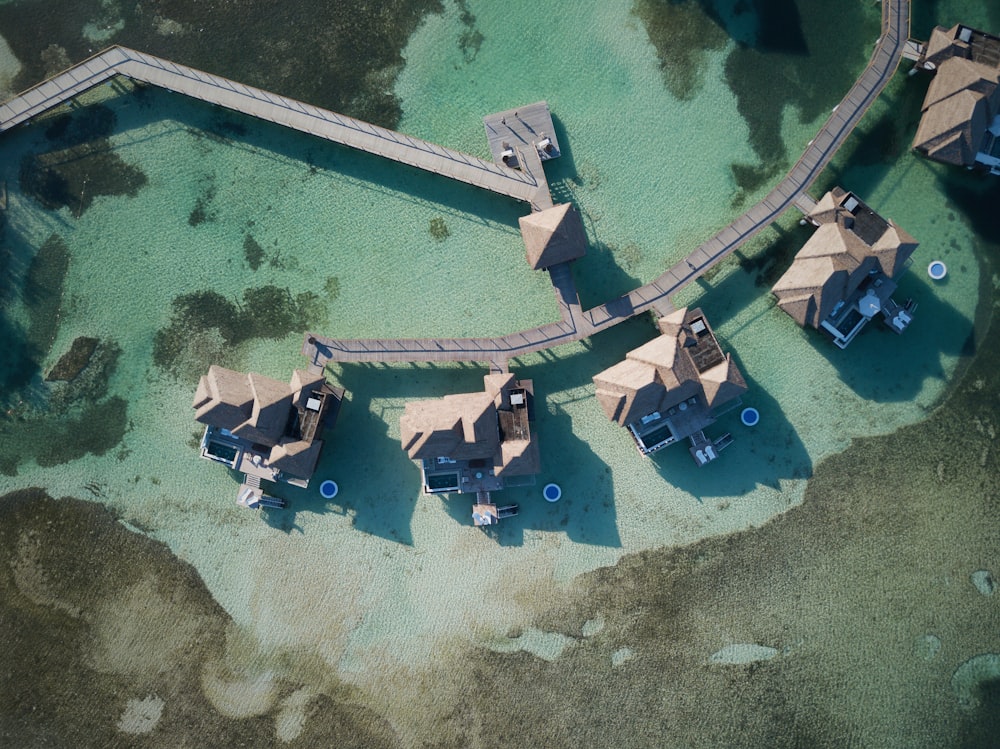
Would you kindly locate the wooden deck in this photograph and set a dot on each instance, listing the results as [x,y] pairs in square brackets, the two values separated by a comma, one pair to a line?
[525,127]
[529,186]
[575,324]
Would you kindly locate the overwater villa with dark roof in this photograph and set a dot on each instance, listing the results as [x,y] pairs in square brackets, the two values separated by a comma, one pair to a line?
[475,442]
[673,387]
[265,428]
[961,111]
[846,273]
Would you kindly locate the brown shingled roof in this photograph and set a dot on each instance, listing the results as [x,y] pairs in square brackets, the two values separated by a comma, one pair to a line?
[223,398]
[553,236]
[461,426]
[838,257]
[663,372]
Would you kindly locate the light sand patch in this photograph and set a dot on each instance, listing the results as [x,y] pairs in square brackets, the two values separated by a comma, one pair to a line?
[291,718]
[168,27]
[101,31]
[592,626]
[141,631]
[928,646]
[984,582]
[621,656]
[239,696]
[141,716]
[10,66]
[545,645]
[968,678]
[742,653]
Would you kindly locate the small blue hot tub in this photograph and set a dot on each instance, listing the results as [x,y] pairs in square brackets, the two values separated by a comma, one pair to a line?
[329,489]
[937,270]
[552,492]
[750,417]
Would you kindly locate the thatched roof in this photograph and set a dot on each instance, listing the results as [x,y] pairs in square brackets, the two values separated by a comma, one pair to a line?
[466,426]
[962,99]
[953,130]
[961,42]
[553,236]
[723,382]
[851,241]
[223,398]
[669,369]
[251,406]
[295,457]
[461,427]
[518,458]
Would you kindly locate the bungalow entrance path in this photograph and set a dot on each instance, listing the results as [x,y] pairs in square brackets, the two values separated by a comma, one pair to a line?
[577,324]
[527,184]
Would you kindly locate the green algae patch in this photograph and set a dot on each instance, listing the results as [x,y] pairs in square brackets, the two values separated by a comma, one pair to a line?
[111,639]
[62,421]
[75,360]
[253,252]
[82,164]
[352,50]
[795,61]
[43,292]
[205,326]
[682,34]
[439,229]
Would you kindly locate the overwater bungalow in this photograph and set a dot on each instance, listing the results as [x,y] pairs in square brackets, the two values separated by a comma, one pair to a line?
[846,273]
[960,123]
[264,428]
[553,236]
[475,443]
[673,387]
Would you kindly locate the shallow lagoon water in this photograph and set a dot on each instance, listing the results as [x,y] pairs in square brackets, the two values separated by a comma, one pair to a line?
[378,582]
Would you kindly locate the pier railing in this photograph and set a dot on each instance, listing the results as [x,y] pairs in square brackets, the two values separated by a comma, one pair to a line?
[528,185]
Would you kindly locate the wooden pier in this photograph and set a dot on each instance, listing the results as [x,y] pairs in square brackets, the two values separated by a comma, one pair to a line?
[527,184]
[525,127]
[575,324]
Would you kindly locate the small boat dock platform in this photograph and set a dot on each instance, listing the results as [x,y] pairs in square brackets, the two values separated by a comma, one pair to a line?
[521,128]
[704,450]
[252,496]
[485,512]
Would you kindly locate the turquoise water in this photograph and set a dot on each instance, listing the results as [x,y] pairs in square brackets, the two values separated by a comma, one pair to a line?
[376,583]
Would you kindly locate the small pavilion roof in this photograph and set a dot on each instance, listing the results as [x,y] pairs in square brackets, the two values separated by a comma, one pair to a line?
[553,236]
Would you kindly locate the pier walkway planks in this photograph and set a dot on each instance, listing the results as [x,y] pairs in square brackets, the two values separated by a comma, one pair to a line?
[577,325]
[528,185]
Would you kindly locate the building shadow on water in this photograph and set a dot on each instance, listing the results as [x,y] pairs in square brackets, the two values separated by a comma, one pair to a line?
[585,514]
[213,126]
[763,455]
[380,486]
[880,365]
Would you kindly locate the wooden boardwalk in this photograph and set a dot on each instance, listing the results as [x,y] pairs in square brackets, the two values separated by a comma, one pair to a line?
[575,324]
[528,185]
